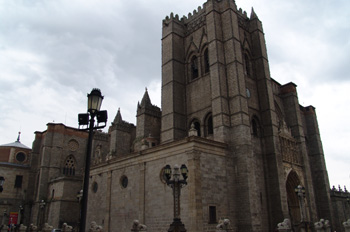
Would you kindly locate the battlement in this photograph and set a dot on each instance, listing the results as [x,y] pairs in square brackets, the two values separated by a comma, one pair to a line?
[339,192]
[308,109]
[199,12]
[242,13]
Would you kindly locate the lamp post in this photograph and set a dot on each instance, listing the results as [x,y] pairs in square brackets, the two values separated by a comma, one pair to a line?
[79,197]
[20,210]
[3,218]
[41,215]
[176,184]
[2,181]
[94,104]
[300,192]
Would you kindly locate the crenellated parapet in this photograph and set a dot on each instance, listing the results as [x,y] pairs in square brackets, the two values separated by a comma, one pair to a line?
[339,192]
[101,136]
[308,110]
[123,126]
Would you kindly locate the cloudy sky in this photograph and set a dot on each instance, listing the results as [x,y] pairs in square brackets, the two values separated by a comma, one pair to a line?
[52,53]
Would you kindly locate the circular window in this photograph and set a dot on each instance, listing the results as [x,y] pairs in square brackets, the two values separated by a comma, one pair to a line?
[94,187]
[20,157]
[73,145]
[124,181]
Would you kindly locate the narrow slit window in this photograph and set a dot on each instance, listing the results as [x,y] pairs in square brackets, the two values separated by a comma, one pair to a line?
[18,181]
[212,214]
[194,67]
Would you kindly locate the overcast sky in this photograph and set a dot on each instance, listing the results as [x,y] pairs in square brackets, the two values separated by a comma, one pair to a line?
[52,53]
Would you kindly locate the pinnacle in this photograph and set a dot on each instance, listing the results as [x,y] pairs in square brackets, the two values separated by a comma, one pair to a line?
[145,100]
[253,14]
[118,117]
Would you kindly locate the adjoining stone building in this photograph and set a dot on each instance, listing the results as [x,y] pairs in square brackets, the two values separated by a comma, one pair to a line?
[58,165]
[255,143]
[15,159]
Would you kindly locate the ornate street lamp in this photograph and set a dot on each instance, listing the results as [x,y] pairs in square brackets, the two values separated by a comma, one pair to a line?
[176,184]
[3,218]
[2,181]
[20,211]
[94,104]
[300,192]
[41,214]
[79,198]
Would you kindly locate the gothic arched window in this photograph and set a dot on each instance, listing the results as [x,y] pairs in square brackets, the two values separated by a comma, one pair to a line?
[209,125]
[194,67]
[69,166]
[197,126]
[206,61]
[247,64]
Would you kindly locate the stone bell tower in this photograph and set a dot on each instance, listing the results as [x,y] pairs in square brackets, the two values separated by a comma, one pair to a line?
[209,59]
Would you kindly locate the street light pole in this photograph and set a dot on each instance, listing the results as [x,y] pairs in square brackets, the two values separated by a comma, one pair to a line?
[300,191]
[41,214]
[176,184]
[94,104]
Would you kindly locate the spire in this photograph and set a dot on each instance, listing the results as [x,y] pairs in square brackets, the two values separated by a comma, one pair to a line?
[253,14]
[145,100]
[118,117]
[19,137]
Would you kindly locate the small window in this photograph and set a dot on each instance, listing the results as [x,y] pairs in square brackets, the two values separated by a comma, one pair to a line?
[18,181]
[194,67]
[209,125]
[124,181]
[248,93]
[94,187]
[206,61]
[212,214]
[197,126]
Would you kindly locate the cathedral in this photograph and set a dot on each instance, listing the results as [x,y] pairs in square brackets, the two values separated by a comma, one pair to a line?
[246,140]
[253,153]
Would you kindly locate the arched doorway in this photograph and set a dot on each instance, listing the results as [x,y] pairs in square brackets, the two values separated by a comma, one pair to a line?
[293,202]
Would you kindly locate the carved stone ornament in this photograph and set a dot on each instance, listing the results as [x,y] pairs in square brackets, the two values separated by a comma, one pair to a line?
[73,145]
